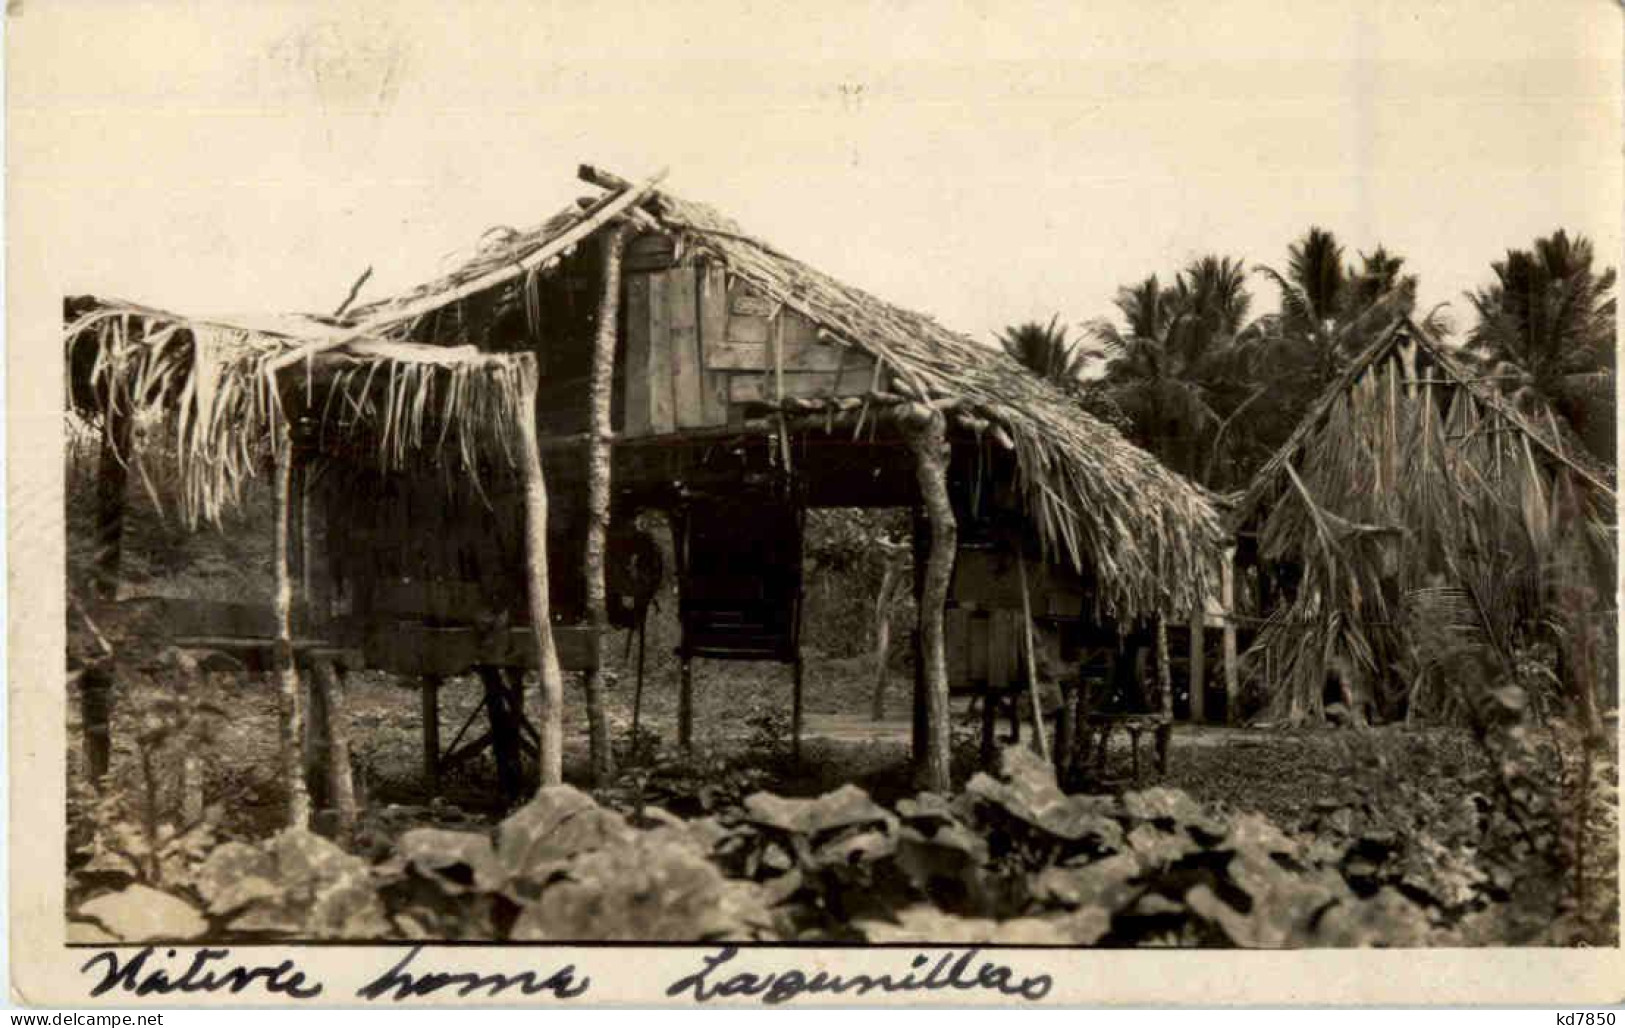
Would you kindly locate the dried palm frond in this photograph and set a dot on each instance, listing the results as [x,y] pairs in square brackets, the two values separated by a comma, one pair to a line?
[1411,497]
[220,395]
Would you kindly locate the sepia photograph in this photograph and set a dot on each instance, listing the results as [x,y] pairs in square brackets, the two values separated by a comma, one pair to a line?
[951,491]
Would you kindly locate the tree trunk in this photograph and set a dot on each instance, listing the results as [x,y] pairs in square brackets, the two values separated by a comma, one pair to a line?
[550,709]
[883,602]
[290,693]
[928,439]
[598,486]
[1232,686]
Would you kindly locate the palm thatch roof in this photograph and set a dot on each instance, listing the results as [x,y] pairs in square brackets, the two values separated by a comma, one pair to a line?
[1413,494]
[217,397]
[1551,440]
[1148,535]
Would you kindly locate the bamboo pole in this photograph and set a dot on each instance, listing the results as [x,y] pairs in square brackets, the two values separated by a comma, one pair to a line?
[1227,586]
[550,709]
[290,692]
[927,438]
[1032,657]
[598,488]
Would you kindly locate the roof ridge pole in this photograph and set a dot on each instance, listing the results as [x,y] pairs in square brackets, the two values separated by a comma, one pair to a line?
[613,243]
[550,711]
[925,430]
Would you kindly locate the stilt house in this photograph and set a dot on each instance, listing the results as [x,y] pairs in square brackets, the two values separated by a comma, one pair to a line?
[643,352]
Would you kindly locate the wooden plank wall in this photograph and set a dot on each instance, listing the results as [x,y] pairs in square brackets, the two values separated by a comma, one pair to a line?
[983,647]
[699,349]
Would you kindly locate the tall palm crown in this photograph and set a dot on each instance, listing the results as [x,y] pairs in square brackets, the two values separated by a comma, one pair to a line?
[1046,351]
[1168,359]
[1546,327]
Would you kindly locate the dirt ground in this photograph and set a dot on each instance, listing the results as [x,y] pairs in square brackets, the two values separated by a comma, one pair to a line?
[741,707]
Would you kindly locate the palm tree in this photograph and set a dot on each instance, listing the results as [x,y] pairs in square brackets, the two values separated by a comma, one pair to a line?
[1314,289]
[1046,351]
[1167,360]
[1546,330]
[1330,312]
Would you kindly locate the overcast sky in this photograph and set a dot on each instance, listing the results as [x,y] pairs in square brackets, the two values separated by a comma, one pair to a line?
[985,162]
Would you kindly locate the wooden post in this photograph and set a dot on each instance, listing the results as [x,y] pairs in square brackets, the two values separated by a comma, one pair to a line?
[1227,592]
[917,708]
[795,712]
[96,684]
[429,704]
[1066,735]
[888,579]
[290,692]
[685,702]
[1031,653]
[1165,673]
[926,433]
[637,694]
[318,755]
[598,487]
[505,745]
[550,709]
[329,686]
[1198,665]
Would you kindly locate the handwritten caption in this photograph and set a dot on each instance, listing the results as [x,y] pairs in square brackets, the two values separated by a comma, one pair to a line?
[724,974]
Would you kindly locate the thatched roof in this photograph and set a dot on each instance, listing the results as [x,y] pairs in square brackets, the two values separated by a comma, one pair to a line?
[1421,513]
[1550,440]
[221,395]
[1148,535]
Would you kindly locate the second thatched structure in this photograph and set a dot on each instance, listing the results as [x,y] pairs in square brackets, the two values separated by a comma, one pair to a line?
[1414,515]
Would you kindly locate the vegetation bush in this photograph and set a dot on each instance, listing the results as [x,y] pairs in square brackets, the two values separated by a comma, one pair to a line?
[1010,859]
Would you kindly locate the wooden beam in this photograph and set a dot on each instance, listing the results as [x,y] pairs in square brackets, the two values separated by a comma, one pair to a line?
[683,320]
[795,710]
[685,703]
[598,490]
[635,384]
[1198,663]
[550,709]
[1227,592]
[429,705]
[662,417]
[1165,671]
[329,685]
[290,694]
[591,221]
[929,443]
[919,728]
[712,285]
[605,179]
[96,683]
[1031,652]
